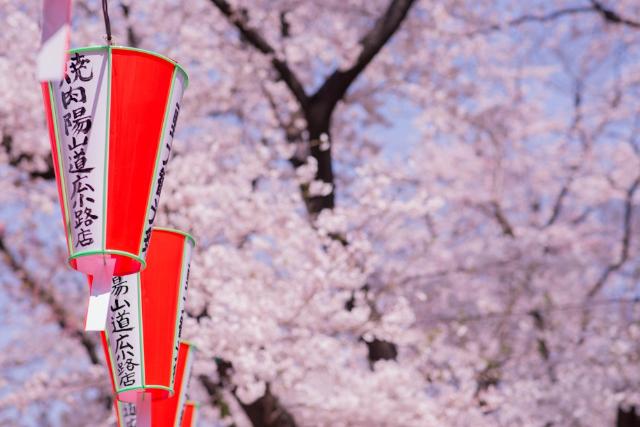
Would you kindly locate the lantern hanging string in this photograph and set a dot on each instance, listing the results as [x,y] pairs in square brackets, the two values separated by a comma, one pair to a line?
[107,23]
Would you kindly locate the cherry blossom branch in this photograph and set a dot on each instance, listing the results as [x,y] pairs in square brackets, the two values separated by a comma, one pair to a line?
[266,411]
[17,160]
[509,314]
[336,86]
[608,15]
[501,218]
[564,191]
[38,387]
[612,16]
[626,241]
[44,296]
[323,102]
[319,107]
[240,20]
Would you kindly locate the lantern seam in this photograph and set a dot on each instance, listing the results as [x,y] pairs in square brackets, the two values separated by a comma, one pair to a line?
[186,373]
[105,176]
[157,162]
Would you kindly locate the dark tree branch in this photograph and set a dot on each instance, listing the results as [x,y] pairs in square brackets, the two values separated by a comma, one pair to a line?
[551,16]
[627,417]
[380,350]
[266,411]
[319,108]
[253,37]
[17,161]
[215,392]
[557,206]
[607,15]
[543,346]
[323,102]
[285,28]
[573,169]
[556,308]
[502,220]
[132,38]
[336,86]
[564,191]
[626,241]
[624,253]
[489,376]
[613,17]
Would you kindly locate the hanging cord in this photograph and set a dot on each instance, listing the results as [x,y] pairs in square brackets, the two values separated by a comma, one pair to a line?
[107,23]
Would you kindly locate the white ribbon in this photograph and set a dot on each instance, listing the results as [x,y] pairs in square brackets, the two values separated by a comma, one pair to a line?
[101,269]
[56,29]
[143,410]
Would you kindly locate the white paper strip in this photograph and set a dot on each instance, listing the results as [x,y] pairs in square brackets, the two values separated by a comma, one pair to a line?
[102,272]
[143,410]
[56,28]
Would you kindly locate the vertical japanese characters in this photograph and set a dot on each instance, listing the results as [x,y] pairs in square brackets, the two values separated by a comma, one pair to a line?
[79,109]
[171,119]
[124,332]
[127,412]
[77,125]
[184,285]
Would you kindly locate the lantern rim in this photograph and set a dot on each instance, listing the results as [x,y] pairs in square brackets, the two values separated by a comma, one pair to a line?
[144,387]
[173,230]
[135,49]
[109,252]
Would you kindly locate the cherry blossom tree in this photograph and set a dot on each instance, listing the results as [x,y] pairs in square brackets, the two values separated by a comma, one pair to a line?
[408,213]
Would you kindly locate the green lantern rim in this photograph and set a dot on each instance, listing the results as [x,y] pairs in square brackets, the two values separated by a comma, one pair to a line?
[109,252]
[173,230]
[144,387]
[135,49]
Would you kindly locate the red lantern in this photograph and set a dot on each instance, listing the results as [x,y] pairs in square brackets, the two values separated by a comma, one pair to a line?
[111,123]
[168,412]
[190,415]
[141,340]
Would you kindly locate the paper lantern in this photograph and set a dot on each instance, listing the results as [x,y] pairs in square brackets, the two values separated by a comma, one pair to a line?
[141,340]
[111,123]
[190,415]
[167,413]
[172,412]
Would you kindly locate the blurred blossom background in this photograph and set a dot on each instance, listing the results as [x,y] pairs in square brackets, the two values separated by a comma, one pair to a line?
[408,213]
